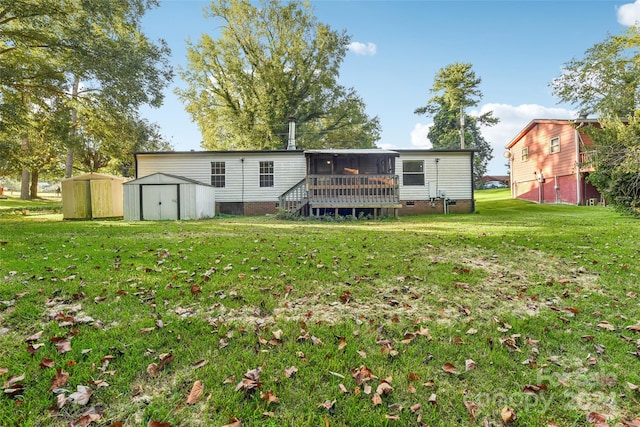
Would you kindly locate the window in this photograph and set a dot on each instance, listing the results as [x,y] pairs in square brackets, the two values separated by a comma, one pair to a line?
[525,154]
[412,172]
[266,174]
[218,174]
[554,145]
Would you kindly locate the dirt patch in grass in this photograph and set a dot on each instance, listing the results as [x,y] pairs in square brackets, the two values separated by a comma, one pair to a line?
[505,289]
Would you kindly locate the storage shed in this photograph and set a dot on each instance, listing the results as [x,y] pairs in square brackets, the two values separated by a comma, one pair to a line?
[163,196]
[92,195]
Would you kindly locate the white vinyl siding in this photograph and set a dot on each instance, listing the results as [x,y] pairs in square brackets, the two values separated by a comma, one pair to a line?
[242,180]
[451,174]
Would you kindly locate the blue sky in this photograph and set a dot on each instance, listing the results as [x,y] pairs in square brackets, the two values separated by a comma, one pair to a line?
[516,47]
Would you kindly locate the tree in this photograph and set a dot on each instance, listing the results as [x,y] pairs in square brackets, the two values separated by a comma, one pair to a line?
[455,88]
[79,53]
[607,82]
[106,140]
[272,61]
[35,145]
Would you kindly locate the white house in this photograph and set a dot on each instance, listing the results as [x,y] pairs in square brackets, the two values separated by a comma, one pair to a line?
[328,181]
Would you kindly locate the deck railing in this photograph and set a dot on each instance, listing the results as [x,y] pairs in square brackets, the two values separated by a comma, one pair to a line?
[586,159]
[353,189]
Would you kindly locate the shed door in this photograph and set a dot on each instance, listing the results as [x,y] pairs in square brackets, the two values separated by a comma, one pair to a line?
[101,200]
[82,197]
[159,202]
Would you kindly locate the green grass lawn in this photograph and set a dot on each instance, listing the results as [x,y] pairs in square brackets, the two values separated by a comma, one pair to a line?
[521,314]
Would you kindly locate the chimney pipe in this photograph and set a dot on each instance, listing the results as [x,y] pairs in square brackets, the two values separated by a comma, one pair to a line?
[292,134]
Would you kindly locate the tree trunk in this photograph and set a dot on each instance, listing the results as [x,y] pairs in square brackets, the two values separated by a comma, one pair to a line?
[24,185]
[72,133]
[34,184]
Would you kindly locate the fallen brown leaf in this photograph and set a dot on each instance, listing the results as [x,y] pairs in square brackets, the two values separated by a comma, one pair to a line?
[362,374]
[153,370]
[507,414]
[47,363]
[80,397]
[86,418]
[33,338]
[376,399]
[432,399]
[59,379]
[384,388]
[63,346]
[234,423]
[289,372]
[327,404]
[195,394]
[606,325]
[270,397]
[596,418]
[533,389]
[634,328]
[13,381]
[472,409]
[449,368]
[199,364]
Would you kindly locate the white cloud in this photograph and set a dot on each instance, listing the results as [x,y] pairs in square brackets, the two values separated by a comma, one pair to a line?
[513,118]
[419,135]
[629,14]
[363,49]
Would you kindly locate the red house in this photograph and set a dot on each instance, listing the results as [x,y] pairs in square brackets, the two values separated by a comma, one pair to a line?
[547,162]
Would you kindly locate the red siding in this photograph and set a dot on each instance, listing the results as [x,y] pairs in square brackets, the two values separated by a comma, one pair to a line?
[560,169]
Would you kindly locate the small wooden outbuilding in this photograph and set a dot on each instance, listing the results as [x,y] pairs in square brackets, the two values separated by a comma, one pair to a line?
[92,195]
[161,196]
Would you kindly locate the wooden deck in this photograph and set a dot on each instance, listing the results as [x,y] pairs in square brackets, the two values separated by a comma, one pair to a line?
[344,191]
[365,191]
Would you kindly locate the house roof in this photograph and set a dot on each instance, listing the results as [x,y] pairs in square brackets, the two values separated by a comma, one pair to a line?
[535,122]
[199,152]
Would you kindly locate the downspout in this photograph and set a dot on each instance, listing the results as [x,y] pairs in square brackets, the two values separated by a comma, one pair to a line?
[473,187]
[509,156]
[578,180]
[437,160]
[242,192]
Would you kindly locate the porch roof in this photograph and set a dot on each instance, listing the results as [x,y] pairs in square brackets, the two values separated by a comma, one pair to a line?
[353,151]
